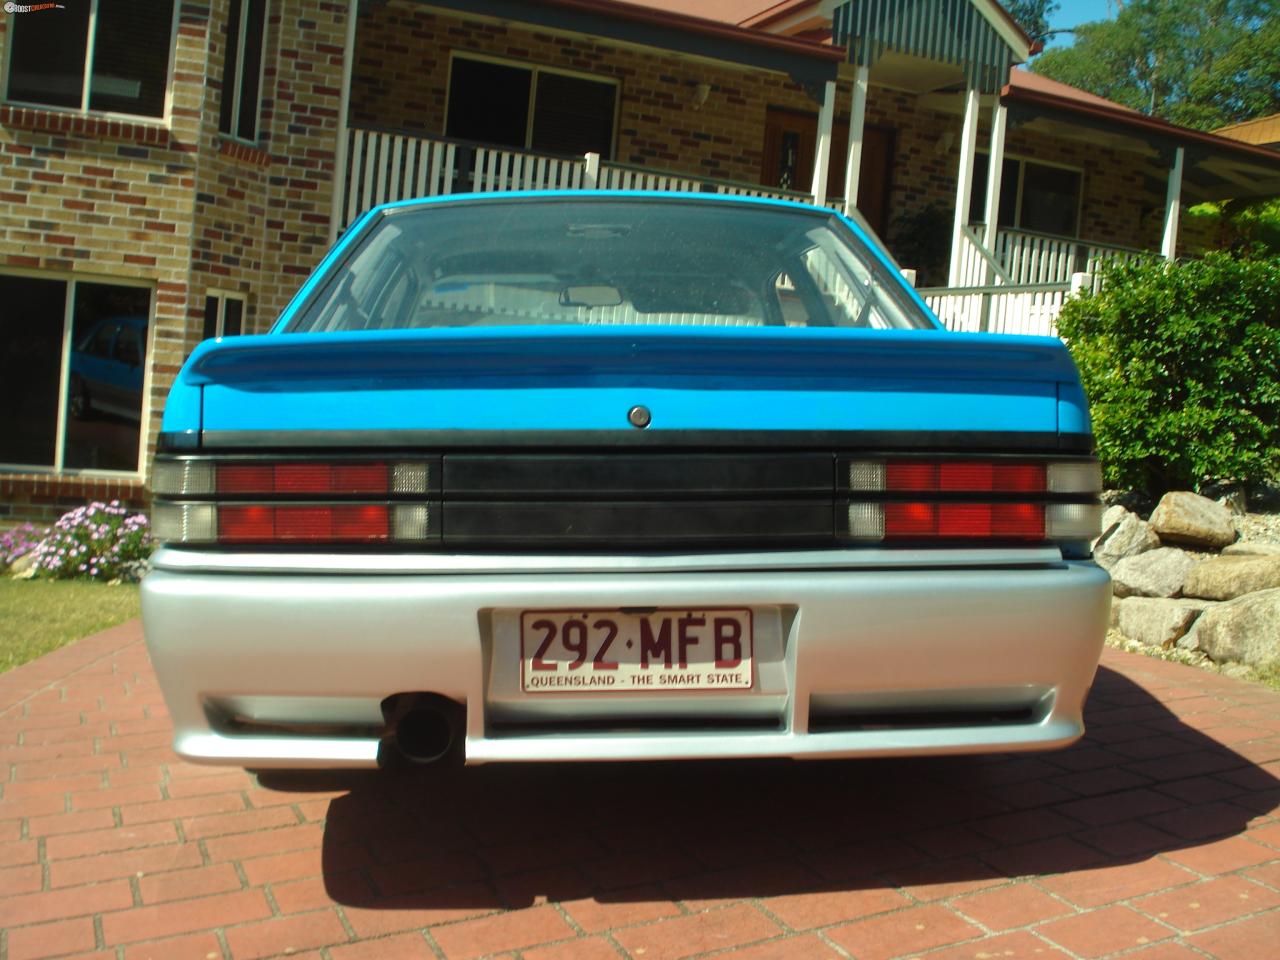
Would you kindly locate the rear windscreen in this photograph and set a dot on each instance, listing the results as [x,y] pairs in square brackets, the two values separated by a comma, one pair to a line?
[606,261]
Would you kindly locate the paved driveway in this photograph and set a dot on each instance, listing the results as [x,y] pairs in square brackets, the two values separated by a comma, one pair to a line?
[1153,839]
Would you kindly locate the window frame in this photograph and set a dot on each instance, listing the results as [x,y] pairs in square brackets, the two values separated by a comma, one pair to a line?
[90,52]
[238,79]
[222,296]
[534,69]
[69,280]
[1022,160]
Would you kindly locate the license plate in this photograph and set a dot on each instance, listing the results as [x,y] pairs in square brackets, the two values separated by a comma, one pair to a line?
[614,651]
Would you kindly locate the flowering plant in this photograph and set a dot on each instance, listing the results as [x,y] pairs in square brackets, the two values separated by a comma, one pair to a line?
[101,541]
[18,542]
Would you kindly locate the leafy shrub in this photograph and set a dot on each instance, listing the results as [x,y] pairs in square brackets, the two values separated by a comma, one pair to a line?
[1244,225]
[1181,363]
[921,241]
[18,542]
[101,541]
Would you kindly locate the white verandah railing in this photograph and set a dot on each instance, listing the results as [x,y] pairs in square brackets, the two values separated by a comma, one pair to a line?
[388,165]
[1018,288]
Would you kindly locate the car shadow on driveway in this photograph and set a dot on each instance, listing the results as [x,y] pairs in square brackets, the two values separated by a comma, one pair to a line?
[1150,778]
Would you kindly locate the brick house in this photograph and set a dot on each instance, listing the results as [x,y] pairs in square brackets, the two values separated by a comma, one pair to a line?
[172,170]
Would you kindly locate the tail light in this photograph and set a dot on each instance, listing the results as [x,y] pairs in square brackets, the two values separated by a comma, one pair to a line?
[294,502]
[242,500]
[954,500]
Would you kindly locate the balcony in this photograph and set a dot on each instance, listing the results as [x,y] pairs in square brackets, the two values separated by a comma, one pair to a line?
[1019,287]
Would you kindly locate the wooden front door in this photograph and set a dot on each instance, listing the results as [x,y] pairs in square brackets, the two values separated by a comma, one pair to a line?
[789,141]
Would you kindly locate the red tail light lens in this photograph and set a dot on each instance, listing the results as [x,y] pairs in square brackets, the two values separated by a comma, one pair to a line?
[339,523]
[996,521]
[958,476]
[337,478]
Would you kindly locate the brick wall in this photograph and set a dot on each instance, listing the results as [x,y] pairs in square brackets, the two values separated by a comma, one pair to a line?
[262,210]
[401,81]
[176,204]
[230,195]
[402,72]
[84,197]
[301,123]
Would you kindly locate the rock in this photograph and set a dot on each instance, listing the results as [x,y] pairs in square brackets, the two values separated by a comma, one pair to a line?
[1139,503]
[1156,573]
[1189,640]
[1235,501]
[24,563]
[1228,577]
[1246,630]
[1157,622]
[134,571]
[1124,534]
[1193,520]
[1111,518]
[1251,548]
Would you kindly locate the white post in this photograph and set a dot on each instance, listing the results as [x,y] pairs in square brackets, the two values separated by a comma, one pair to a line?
[344,106]
[591,171]
[1172,205]
[822,153]
[857,123]
[964,184]
[995,171]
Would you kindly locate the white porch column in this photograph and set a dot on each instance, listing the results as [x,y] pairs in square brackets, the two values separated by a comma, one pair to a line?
[964,183]
[1172,206]
[995,171]
[822,151]
[857,123]
[344,107]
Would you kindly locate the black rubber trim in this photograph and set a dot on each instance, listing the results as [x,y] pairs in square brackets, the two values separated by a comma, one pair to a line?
[180,441]
[643,475]
[994,441]
[668,524]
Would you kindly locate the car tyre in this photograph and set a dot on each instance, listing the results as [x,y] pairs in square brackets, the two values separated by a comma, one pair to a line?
[78,401]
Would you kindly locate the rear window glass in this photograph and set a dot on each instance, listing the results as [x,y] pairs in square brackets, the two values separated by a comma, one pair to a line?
[596,262]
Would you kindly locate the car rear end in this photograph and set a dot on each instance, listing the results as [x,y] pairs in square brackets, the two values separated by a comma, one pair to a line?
[643,537]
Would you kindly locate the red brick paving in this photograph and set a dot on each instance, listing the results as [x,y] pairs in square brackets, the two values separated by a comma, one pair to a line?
[1156,838]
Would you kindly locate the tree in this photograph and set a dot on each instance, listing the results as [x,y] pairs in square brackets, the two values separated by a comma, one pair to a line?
[1033,15]
[1199,63]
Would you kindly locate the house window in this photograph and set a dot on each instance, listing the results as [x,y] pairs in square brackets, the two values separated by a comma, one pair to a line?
[530,108]
[1038,197]
[74,363]
[101,55]
[242,70]
[223,315]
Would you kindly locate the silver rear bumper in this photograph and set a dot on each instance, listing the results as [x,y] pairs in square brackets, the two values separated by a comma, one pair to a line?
[858,654]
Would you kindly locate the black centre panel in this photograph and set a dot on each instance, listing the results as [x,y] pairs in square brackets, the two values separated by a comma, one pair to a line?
[647,500]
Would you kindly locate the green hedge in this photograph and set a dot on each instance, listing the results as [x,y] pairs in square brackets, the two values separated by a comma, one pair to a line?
[1181,363]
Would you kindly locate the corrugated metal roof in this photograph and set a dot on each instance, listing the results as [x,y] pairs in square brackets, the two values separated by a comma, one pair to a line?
[1264,131]
[951,31]
[1022,79]
[726,11]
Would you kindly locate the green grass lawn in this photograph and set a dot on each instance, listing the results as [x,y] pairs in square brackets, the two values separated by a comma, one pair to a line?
[37,616]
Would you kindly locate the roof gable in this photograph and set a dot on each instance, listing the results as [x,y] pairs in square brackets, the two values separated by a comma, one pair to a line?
[976,35]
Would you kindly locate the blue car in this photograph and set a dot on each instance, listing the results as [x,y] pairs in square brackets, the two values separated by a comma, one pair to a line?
[107,369]
[614,476]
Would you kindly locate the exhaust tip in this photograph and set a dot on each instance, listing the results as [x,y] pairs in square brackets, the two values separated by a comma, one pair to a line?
[424,736]
[424,727]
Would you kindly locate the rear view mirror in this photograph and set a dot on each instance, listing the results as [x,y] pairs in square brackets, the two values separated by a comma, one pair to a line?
[596,296]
